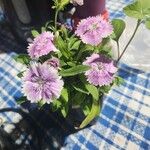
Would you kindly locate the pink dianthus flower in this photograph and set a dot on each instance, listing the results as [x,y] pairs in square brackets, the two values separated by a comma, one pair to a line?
[93,29]
[42,82]
[42,45]
[102,70]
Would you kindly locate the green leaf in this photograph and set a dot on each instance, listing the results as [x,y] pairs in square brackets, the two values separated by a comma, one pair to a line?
[147,24]
[20,74]
[80,88]
[74,70]
[64,94]
[62,46]
[78,99]
[133,10]
[76,45]
[87,105]
[71,64]
[64,111]
[93,91]
[62,102]
[40,104]
[86,47]
[43,29]
[62,4]
[21,100]
[119,26]
[64,31]
[22,58]
[139,9]
[35,33]
[62,63]
[145,4]
[118,80]
[56,105]
[95,110]
[86,110]
[105,89]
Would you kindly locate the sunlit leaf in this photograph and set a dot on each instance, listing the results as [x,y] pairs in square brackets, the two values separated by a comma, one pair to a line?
[119,26]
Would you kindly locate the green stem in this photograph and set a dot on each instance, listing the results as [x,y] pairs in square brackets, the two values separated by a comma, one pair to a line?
[118,49]
[137,26]
[56,16]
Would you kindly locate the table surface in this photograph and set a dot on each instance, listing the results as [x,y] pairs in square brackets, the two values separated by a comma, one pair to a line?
[124,122]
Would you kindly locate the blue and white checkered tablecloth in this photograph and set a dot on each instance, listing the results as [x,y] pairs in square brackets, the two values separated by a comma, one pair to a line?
[124,122]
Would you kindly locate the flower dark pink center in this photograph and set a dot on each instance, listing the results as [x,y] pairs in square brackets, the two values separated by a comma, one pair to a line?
[94,26]
[100,66]
[40,81]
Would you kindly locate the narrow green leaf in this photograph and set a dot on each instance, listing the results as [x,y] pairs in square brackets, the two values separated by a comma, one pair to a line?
[62,46]
[119,26]
[56,105]
[74,70]
[71,64]
[21,100]
[22,58]
[87,105]
[118,80]
[86,110]
[76,45]
[95,110]
[64,111]
[105,89]
[43,29]
[80,88]
[62,4]
[40,104]
[64,94]
[87,47]
[35,33]
[93,91]
[78,99]
[147,23]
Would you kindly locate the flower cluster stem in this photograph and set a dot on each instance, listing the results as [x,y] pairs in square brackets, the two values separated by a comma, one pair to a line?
[56,17]
[137,26]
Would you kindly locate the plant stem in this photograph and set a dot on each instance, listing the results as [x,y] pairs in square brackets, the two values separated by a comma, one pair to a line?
[118,49]
[56,16]
[137,26]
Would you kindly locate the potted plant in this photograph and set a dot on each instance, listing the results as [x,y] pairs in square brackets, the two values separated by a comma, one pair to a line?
[67,69]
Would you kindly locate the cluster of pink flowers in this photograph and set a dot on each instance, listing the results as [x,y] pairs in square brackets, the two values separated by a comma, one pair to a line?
[43,82]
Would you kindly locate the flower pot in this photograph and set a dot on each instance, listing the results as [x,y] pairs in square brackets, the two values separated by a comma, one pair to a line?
[90,8]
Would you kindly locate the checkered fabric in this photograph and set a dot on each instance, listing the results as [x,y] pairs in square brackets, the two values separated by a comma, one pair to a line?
[115,7]
[124,122]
